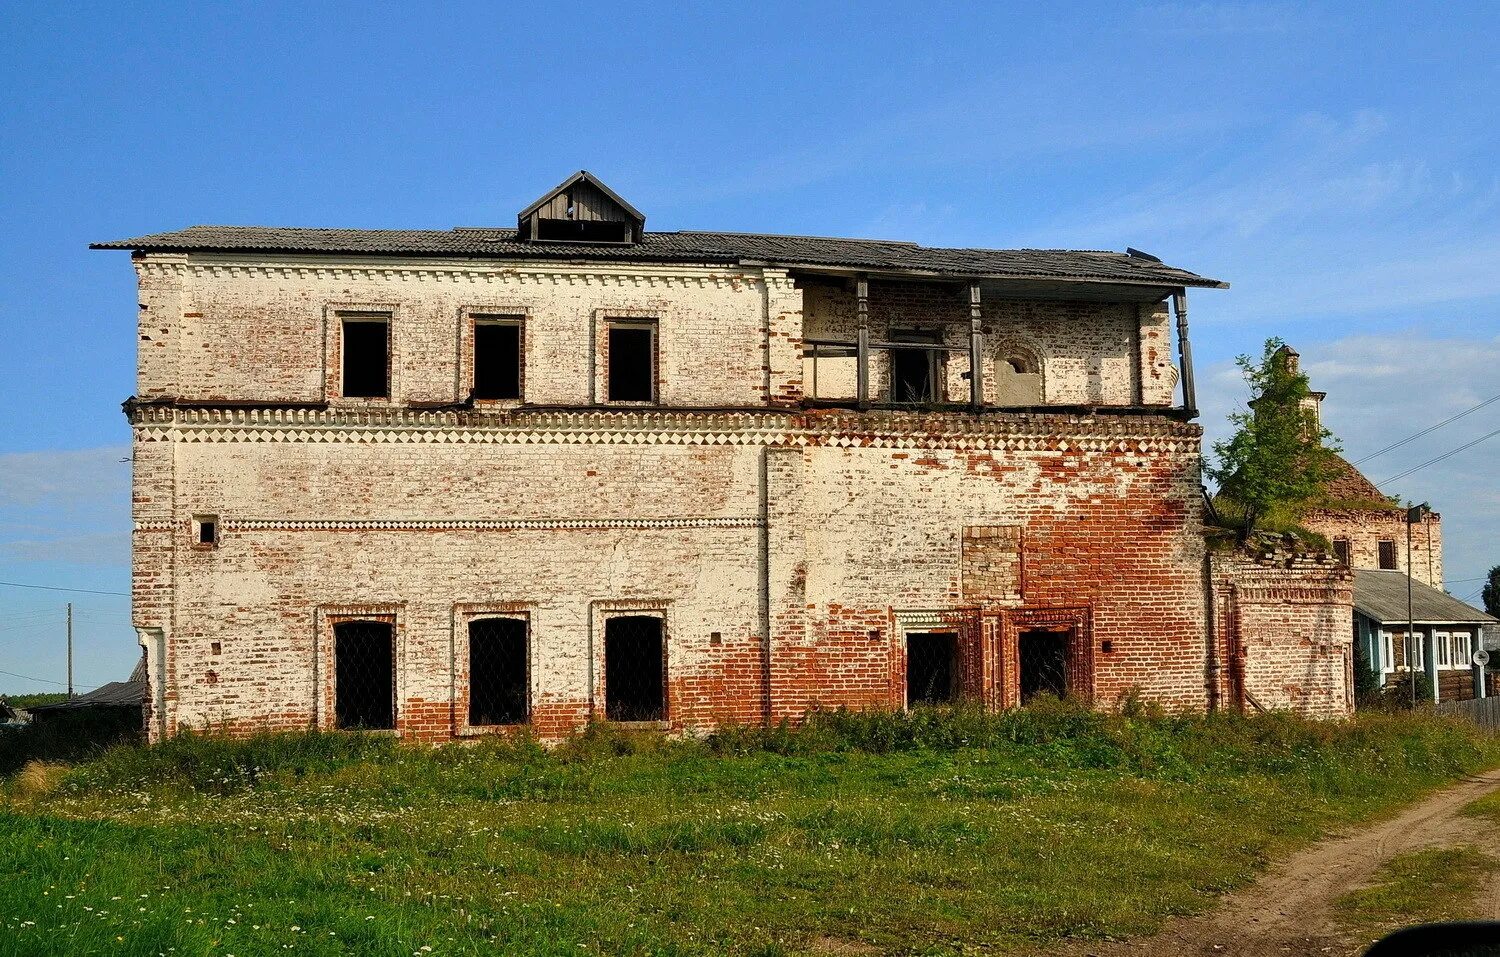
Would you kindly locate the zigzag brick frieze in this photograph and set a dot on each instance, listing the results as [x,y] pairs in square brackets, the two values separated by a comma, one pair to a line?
[449,525]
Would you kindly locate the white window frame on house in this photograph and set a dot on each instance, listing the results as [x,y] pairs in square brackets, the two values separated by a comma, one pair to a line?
[1387,653]
[1443,649]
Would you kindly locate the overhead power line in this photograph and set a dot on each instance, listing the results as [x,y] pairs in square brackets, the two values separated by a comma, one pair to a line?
[1434,461]
[82,591]
[1432,428]
[47,681]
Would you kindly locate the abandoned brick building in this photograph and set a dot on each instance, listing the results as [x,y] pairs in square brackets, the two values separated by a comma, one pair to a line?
[455,482]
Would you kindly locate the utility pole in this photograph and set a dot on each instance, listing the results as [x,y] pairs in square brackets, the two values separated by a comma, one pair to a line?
[1413,514]
[70,650]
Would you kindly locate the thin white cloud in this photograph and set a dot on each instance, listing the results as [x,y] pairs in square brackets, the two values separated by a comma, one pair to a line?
[65,506]
[31,479]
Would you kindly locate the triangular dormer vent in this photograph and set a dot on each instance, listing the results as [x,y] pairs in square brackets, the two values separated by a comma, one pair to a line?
[581,210]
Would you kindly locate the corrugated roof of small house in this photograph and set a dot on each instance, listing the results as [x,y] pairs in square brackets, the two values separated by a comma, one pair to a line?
[1380,595]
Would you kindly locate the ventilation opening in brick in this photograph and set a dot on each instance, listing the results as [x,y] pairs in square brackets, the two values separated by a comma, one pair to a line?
[206,530]
[366,359]
[497,360]
[632,363]
[364,675]
[931,669]
[497,671]
[1044,664]
[634,669]
[1388,554]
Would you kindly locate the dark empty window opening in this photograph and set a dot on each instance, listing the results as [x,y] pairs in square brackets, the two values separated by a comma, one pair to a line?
[207,530]
[364,675]
[582,231]
[366,359]
[634,669]
[931,668]
[497,360]
[1387,554]
[1044,664]
[632,363]
[1341,551]
[913,371]
[497,671]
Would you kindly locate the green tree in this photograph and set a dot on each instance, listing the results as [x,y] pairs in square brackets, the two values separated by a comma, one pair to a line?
[1279,458]
[1491,592]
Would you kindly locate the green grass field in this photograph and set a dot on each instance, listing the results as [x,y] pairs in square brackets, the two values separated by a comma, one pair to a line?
[934,833]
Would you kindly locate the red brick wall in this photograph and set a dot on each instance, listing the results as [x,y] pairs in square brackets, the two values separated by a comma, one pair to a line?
[1283,622]
[842,538]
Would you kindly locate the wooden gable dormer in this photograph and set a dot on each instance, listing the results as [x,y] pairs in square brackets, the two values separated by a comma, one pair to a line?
[581,209]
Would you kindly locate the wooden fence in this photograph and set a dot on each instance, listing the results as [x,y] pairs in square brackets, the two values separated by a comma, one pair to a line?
[1484,712]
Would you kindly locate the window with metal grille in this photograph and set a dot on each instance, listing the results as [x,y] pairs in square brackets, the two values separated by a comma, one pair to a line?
[366,342]
[635,667]
[632,362]
[931,668]
[1044,664]
[1341,551]
[497,671]
[1387,553]
[497,359]
[364,674]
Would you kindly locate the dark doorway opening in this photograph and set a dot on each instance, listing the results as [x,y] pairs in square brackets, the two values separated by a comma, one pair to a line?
[364,675]
[913,371]
[497,360]
[1044,664]
[632,363]
[366,359]
[931,668]
[634,669]
[497,671]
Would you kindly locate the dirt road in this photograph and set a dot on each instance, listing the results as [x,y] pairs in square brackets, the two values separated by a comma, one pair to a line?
[1289,912]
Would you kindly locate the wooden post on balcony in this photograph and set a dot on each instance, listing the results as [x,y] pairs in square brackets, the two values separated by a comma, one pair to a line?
[862,342]
[976,348]
[1185,353]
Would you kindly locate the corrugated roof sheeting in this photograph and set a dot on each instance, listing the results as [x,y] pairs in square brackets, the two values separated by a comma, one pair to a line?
[686,247]
[1380,594]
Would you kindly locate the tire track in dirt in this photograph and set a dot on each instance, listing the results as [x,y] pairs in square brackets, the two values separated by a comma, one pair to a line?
[1289,911]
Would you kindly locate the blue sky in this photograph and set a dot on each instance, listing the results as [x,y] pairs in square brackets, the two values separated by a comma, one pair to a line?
[1337,163]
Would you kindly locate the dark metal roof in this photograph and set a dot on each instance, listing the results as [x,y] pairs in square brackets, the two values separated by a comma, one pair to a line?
[684,247]
[1380,595]
[115,694]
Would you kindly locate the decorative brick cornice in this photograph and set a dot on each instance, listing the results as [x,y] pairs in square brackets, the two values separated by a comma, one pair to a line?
[459,272]
[1135,434]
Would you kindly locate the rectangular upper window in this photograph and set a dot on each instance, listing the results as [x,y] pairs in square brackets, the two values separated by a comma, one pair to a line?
[631,370]
[1387,554]
[1341,551]
[366,357]
[497,358]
